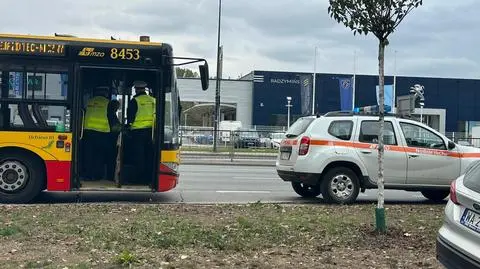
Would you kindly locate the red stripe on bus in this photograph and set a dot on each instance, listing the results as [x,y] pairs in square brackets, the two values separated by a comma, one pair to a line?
[58,175]
[167,182]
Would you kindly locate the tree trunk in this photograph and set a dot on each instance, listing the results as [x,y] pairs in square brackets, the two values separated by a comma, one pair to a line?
[380,211]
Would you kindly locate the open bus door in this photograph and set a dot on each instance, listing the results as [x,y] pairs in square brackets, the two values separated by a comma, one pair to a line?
[166,134]
[166,154]
[125,174]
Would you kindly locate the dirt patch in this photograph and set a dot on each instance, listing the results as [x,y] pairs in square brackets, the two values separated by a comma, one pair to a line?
[217,236]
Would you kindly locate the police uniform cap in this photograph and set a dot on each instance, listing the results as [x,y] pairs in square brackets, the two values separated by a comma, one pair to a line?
[139,84]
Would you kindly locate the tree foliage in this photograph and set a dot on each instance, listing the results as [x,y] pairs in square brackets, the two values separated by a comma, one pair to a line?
[379,17]
[185,73]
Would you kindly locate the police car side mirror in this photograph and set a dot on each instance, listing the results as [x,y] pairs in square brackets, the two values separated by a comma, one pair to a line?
[451,145]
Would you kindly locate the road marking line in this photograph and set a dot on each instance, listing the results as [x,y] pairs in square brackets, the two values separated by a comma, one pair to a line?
[274,178]
[243,191]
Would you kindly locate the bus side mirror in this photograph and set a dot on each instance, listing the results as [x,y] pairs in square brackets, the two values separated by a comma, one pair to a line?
[204,76]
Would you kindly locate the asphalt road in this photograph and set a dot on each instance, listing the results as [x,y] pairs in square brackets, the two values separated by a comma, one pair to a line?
[226,184]
[250,184]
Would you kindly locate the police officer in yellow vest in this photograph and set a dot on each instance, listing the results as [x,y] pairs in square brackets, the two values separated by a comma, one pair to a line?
[140,120]
[99,123]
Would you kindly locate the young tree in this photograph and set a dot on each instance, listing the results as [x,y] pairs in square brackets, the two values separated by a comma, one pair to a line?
[381,18]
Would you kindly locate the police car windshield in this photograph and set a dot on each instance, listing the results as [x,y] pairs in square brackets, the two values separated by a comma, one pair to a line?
[299,127]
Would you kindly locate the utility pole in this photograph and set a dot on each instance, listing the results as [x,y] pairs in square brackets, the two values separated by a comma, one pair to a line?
[395,84]
[354,78]
[218,79]
[314,80]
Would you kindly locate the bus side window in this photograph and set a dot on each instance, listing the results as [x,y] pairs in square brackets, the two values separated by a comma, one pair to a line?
[41,121]
[26,116]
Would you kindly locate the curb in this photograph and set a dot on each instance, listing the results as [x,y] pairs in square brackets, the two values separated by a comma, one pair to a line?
[226,154]
[229,163]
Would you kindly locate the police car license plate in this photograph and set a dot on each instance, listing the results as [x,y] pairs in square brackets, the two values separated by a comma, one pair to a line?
[285,155]
[471,220]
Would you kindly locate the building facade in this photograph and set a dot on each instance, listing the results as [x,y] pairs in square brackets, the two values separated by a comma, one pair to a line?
[261,97]
[198,105]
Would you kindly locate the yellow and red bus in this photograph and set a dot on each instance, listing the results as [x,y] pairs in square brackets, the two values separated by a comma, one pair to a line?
[45,84]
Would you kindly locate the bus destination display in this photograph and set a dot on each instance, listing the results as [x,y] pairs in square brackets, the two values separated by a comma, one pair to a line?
[31,48]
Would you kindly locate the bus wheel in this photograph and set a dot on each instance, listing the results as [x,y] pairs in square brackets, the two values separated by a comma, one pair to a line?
[21,177]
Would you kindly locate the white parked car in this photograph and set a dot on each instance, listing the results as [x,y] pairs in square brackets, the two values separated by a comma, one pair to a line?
[336,155]
[458,241]
[276,139]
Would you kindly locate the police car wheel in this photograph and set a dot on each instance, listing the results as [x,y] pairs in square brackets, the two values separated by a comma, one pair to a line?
[307,191]
[340,185]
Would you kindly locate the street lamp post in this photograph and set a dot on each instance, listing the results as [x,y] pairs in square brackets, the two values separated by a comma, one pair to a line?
[289,99]
[217,90]
[314,80]
[395,84]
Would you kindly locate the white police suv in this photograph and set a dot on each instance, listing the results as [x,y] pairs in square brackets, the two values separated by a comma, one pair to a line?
[336,155]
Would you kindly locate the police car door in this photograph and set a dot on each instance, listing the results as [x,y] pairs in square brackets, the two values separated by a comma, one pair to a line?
[395,160]
[429,160]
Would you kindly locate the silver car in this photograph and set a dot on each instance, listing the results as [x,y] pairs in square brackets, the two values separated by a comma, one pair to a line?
[458,241]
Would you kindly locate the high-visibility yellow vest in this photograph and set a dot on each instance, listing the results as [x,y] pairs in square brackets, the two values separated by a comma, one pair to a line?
[145,112]
[96,115]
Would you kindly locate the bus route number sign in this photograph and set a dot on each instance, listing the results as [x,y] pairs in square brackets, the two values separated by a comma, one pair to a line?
[112,53]
[31,48]
[125,54]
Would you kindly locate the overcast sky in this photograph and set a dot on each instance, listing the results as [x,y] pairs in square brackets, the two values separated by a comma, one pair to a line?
[437,39]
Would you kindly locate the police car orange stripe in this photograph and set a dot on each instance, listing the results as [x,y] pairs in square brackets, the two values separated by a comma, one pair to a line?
[435,152]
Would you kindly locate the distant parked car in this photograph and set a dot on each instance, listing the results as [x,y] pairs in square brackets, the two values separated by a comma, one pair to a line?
[276,139]
[265,141]
[458,241]
[204,139]
[247,139]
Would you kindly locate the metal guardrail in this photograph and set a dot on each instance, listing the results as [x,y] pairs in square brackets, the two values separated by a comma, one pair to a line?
[251,145]
[464,139]
[197,143]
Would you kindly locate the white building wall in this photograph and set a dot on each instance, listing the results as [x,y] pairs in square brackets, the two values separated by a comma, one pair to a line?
[239,92]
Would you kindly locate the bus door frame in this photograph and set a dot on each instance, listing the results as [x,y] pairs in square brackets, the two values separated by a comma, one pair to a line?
[157,133]
[77,125]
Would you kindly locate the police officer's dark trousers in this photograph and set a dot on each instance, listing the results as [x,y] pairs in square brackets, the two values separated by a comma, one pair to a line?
[142,154]
[96,151]
[112,155]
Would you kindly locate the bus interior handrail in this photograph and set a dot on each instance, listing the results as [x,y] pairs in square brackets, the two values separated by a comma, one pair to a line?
[83,123]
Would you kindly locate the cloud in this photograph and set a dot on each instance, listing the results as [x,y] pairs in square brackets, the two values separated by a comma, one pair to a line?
[437,39]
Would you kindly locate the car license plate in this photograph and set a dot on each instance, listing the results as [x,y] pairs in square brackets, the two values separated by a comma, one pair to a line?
[471,220]
[285,155]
